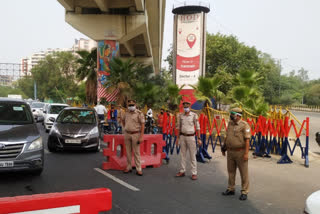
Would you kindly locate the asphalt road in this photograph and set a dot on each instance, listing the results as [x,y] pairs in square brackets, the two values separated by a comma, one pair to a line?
[274,188]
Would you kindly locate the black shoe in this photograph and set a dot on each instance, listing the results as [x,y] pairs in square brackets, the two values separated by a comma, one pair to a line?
[243,197]
[127,171]
[139,173]
[228,192]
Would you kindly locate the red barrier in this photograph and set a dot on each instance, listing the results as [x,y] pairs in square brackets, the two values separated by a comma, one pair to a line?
[83,201]
[119,161]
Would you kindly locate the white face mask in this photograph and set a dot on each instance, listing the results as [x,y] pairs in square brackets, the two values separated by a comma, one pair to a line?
[132,108]
[187,109]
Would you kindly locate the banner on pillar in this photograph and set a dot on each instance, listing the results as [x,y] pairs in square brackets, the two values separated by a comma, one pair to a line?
[188,46]
[107,49]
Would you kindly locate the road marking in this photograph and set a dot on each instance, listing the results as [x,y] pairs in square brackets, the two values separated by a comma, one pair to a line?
[117,180]
[60,210]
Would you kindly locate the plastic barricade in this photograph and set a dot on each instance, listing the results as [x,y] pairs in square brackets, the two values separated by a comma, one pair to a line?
[202,153]
[151,152]
[83,201]
[267,136]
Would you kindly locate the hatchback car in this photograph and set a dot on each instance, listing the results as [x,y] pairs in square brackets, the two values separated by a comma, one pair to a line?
[37,110]
[52,111]
[75,128]
[21,145]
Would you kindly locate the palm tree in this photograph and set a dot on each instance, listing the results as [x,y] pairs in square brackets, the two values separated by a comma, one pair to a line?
[247,93]
[123,78]
[174,96]
[208,88]
[147,93]
[87,71]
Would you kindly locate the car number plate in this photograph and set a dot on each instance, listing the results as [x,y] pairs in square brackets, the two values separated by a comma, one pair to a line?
[75,141]
[6,164]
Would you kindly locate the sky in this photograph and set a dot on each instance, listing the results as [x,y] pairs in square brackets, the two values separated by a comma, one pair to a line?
[288,30]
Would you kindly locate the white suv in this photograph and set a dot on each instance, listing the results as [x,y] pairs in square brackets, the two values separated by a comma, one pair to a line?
[52,111]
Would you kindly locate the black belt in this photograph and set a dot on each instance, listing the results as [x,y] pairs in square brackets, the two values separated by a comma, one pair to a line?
[133,132]
[236,149]
[187,134]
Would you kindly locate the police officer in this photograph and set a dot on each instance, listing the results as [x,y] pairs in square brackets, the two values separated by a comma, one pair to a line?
[237,146]
[133,125]
[186,138]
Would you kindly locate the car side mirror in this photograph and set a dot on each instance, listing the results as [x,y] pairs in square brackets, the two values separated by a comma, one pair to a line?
[52,119]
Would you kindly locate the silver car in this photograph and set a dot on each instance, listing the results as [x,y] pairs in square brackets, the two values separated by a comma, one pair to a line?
[21,146]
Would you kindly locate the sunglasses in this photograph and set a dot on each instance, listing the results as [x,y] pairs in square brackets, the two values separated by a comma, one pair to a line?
[131,105]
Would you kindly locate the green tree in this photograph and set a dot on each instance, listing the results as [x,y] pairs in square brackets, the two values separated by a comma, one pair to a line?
[87,71]
[173,96]
[227,53]
[312,96]
[26,84]
[208,88]
[6,90]
[247,93]
[55,77]
[122,77]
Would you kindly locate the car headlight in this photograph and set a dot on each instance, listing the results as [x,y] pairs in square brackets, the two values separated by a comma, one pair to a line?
[94,131]
[37,144]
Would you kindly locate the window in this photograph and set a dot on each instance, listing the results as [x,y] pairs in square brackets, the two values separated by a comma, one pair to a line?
[15,114]
[77,117]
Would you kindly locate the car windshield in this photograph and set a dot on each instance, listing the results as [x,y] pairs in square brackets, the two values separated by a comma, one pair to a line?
[77,116]
[55,109]
[14,114]
[37,105]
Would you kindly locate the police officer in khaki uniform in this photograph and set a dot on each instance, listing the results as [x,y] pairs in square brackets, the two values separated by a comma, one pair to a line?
[133,125]
[237,146]
[186,138]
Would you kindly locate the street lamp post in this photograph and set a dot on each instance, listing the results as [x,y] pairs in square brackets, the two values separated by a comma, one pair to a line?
[280,69]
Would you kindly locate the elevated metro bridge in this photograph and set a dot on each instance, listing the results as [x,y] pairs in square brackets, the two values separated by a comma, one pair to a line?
[137,25]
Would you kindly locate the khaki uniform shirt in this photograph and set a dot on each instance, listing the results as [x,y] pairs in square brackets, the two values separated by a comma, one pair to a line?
[133,120]
[236,134]
[186,123]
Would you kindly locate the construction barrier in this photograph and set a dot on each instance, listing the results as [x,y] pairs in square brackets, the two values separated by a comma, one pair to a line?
[150,151]
[169,135]
[269,136]
[273,136]
[83,201]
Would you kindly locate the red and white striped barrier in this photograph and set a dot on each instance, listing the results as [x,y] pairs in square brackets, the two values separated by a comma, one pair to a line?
[83,201]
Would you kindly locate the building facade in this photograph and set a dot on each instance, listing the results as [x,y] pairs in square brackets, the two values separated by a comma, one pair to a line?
[28,63]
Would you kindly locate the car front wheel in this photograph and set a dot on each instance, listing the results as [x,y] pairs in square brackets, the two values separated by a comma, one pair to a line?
[52,147]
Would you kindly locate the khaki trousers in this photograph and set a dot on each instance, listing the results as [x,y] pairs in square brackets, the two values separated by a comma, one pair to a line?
[130,141]
[234,161]
[188,143]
